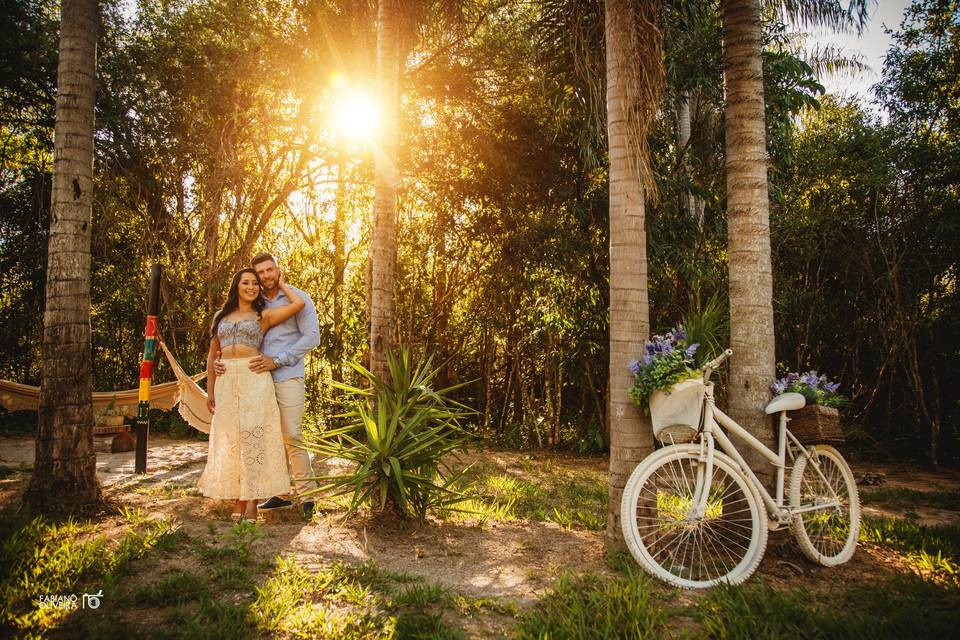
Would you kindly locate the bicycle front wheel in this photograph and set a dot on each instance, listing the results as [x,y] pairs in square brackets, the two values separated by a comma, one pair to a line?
[671,540]
[823,489]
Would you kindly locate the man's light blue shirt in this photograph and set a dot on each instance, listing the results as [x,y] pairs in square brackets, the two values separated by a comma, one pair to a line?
[289,341]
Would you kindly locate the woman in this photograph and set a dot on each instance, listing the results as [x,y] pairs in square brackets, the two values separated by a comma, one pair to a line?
[246,459]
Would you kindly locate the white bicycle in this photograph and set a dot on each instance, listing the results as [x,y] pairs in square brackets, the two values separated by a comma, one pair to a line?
[692,516]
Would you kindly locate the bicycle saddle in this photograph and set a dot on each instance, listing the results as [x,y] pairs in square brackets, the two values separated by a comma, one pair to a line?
[786,402]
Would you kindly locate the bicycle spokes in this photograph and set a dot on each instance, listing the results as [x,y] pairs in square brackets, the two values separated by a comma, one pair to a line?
[691,543]
[824,499]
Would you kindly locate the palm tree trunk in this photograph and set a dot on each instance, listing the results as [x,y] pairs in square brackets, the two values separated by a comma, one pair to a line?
[339,268]
[383,244]
[630,434]
[689,201]
[65,472]
[753,365]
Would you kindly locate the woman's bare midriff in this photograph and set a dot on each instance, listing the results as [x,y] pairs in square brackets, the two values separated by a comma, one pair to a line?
[238,351]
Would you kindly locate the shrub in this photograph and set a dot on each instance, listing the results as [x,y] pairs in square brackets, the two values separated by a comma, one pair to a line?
[398,433]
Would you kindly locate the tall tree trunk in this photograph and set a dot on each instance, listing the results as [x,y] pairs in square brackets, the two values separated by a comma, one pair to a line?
[628,100]
[339,268]
[753,365]
[694,209]
[65,470]
[383,244]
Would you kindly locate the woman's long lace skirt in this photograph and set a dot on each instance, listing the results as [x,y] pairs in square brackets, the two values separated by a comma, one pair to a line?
[246,459]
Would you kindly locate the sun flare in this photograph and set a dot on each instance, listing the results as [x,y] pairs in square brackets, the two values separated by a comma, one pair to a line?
[355,116]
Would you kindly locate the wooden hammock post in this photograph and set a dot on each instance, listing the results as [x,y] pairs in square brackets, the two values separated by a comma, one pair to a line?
[146,371]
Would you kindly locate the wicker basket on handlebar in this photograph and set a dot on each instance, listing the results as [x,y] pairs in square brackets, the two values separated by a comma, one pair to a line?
[816,424]
[675,414]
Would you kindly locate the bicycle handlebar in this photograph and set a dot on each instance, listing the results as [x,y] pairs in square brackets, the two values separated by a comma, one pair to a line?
[713,364]
[716,362]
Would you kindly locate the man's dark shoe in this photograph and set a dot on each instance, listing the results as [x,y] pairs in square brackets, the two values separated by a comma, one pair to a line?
[308,510]
[274,503]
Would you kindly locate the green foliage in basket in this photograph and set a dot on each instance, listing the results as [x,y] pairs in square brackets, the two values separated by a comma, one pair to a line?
[398,434]
[668,359]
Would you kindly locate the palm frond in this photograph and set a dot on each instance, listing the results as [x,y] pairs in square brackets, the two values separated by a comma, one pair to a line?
[832,14]
[833,60]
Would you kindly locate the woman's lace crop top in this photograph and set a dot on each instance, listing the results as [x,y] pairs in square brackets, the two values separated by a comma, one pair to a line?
[246,332]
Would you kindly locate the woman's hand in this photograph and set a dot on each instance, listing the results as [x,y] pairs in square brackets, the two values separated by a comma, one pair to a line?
[211,404]
[218,367]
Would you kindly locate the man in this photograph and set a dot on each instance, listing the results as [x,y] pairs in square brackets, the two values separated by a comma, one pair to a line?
[283,349]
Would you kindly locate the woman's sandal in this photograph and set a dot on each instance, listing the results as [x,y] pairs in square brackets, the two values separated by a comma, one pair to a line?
[236,516]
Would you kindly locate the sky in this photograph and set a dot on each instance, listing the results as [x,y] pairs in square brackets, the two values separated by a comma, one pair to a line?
[872,45]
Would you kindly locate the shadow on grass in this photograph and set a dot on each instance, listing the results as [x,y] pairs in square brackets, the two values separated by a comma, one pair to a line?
[931,551]
[159,581]
[907,607]
[47,565]
[904,498]
[591,606]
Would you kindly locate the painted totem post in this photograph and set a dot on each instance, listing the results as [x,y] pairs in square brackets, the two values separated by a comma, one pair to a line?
[146,371]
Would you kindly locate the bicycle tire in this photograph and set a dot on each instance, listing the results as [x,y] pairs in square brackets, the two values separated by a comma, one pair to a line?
[827,538]
[725,545]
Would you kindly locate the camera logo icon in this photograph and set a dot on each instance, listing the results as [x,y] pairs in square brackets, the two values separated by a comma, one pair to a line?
[92,600]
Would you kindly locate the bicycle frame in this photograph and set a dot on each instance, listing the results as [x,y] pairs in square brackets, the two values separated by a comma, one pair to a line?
[714,416]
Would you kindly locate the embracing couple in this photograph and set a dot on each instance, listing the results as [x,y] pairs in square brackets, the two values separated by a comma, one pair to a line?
[255,391]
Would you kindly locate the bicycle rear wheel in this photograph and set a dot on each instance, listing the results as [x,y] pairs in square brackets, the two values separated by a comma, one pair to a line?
[675,544]
[827,536]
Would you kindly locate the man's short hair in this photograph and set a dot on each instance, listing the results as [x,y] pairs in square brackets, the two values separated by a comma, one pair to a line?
[263,256]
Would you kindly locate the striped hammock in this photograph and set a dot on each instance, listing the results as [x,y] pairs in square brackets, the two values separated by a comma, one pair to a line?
[184,392]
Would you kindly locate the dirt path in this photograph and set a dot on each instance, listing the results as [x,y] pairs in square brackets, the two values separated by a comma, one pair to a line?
[909,478]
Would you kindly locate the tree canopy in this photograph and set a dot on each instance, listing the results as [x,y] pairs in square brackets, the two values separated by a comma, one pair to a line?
[215,138]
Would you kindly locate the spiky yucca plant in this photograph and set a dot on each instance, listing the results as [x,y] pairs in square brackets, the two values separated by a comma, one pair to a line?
[397,432]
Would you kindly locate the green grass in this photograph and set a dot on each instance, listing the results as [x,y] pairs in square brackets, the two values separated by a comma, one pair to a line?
[166,490]
[932,551]
[905,608]
[226,590]
[237,545]
[233,576]
[469,606]
[903,498]
[40,557]
[590,606]
[425,626]
[421,595]
[575,499]
[176,588]
[212,620]
[909,606]
[343,601]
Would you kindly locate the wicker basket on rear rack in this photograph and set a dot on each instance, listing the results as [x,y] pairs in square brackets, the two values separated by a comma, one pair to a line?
[816,424]
[675,414]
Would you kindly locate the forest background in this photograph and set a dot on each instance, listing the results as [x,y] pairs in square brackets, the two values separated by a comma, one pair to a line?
[214,139]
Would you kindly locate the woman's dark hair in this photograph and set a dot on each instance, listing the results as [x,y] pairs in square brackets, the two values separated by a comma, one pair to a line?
[233,301]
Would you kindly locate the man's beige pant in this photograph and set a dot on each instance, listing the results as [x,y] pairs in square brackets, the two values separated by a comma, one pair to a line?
[290,397]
